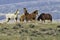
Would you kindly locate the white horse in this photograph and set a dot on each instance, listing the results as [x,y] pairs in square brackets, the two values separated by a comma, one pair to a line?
[10,16]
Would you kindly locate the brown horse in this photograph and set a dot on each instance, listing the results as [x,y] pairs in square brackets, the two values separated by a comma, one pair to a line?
[31,16]
[24,15]
[45,16]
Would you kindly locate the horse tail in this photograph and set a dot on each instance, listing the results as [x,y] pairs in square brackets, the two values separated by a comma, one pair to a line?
[51,19]
[20,19]
[38,18]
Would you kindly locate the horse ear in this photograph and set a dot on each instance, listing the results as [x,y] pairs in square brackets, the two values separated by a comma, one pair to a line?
[24,8]
[17,9]
[35,11]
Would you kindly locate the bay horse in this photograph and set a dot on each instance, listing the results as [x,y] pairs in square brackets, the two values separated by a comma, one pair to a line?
[29,17]
[10,16]
[45,16]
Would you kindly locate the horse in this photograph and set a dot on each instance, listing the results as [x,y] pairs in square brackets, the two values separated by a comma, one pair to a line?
[29,17]
[32,16]
[45,16]
[14,16]
[24,15]
[25,11]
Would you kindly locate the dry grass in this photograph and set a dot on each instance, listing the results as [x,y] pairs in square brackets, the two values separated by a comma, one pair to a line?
[29,31]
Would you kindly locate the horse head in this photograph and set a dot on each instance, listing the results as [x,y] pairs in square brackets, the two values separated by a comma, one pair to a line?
[17,12]
[35,12]
[25,11]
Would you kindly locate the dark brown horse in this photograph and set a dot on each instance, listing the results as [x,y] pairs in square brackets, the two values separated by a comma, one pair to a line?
[44,16]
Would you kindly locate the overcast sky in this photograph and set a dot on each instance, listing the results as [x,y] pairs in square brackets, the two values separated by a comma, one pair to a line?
[12,1]
[18,1]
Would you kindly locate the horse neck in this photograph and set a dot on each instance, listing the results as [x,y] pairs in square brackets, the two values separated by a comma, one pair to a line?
[16,13]
[33,15]
[26,12]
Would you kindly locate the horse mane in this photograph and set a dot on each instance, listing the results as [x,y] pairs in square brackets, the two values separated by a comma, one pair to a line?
[34,12]
[16,11]
[43,13]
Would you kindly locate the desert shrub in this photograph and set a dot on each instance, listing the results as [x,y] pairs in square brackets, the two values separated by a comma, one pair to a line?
[43,29]
[51,32]
[24,30]
[38,33]
[59,30]
[58,26]
[19,25]
[32,34]
[34,31]
[5,28]
[50,29]
[9,34]
[15,27]
[1,29]
[31,26]
[20,32]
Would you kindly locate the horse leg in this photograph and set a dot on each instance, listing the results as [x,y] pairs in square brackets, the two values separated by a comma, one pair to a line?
[26,19]
[8,20]
[43,21]
[51,19]
[21,20]
[16,19]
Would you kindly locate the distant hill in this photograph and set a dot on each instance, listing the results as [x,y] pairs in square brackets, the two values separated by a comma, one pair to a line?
[44,6]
